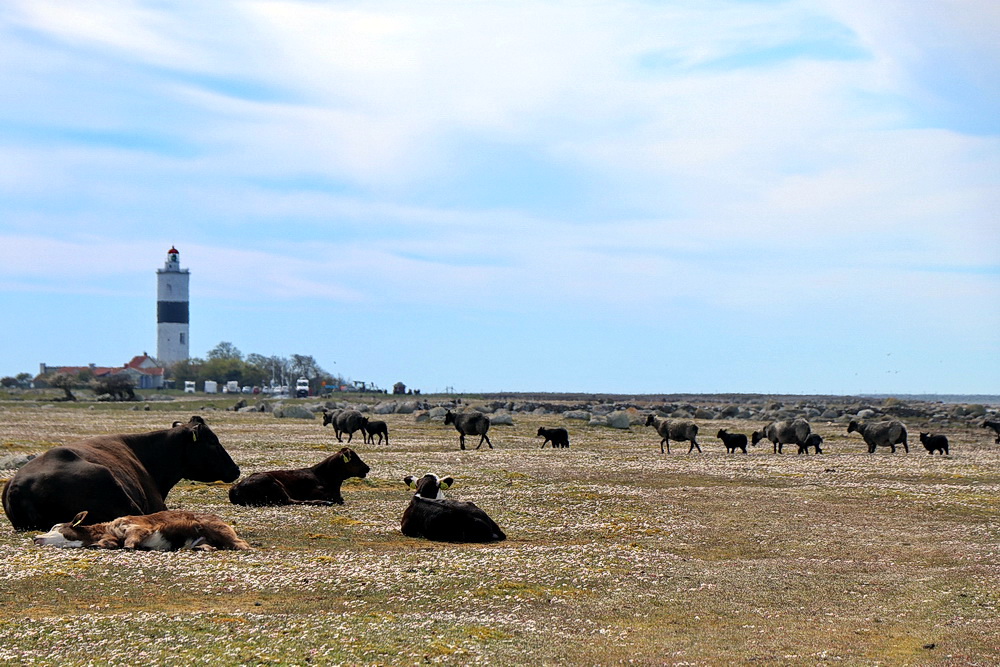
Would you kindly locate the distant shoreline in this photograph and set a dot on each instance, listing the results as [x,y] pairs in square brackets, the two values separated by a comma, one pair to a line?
[984,399]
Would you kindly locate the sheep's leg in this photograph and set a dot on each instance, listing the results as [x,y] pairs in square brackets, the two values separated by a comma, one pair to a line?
[461,440]
[487,439]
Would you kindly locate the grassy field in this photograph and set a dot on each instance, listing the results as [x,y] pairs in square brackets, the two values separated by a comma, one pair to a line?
[615,554]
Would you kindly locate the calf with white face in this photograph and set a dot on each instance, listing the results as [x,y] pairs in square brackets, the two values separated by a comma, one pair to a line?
[432,516]
[161,531]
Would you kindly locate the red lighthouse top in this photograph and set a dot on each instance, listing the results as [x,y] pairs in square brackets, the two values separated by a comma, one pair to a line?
[173,251]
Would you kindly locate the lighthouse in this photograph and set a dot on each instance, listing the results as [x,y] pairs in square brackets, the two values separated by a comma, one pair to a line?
[172,310]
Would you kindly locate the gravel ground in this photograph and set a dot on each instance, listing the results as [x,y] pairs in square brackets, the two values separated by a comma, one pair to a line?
[616,554]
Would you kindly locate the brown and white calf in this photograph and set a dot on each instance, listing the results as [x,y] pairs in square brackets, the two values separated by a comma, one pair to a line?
[161,531]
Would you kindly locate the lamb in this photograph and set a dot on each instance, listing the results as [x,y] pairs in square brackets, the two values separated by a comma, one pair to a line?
[470,423]
[559,437]
[732,441]
[373,428]
[812,440]
[995,425]
[934,443]
[345,421]
[783,433]
[881,434]
[680,431]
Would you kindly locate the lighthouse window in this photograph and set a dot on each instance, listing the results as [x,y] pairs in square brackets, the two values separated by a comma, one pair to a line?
[182,339]
[170,289]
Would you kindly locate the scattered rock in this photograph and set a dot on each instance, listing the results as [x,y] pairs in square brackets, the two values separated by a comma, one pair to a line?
[293,412]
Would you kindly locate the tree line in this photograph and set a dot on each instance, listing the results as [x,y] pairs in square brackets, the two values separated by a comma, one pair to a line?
[225,362]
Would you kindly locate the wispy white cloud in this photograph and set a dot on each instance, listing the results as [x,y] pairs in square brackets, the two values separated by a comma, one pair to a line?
[736,156]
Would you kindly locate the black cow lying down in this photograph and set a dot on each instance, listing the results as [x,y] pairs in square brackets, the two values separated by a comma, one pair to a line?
[114,475]
[315,485]
[161,531]
[434,517]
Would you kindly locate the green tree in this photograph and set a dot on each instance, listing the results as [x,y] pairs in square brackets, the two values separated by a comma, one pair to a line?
[188,369]
[119,386]
[64,381]
[225,350]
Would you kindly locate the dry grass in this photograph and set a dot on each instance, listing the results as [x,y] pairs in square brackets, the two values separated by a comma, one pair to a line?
[615,554]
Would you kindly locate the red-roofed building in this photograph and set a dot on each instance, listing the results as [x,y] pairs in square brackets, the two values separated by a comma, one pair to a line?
[143,370]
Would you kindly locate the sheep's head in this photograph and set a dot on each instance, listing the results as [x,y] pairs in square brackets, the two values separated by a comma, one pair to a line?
[651,420]
[756,437]
[449,418]
[852,427]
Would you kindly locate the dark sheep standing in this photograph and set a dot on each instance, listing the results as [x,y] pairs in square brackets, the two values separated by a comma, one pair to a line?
[732,441]
[345,421]
[783,433]
[680,431]
[559,437]
[812,440]
[881,434]
[373,428]
[934,443]
[470,423]
[995,425]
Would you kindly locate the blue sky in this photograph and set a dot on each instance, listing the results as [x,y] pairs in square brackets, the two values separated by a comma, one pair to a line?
[635,197]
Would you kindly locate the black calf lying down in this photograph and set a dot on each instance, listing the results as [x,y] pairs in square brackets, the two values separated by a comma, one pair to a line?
[432,516]
[162,531]
[316,485]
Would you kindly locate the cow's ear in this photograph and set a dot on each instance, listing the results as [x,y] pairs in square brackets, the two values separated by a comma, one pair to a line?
[78,519]
[347,457]
[408,480]
[446,483]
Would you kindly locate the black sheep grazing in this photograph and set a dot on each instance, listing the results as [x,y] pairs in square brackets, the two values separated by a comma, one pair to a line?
[881,434]
[995,425]
[812,440]
[559,437]
[470,423]
[679,431]
[373,428]
[783,433]
[732,441]
[345,421]
[934,443]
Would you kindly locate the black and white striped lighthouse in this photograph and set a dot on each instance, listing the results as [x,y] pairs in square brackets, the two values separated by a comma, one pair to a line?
[172,310]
